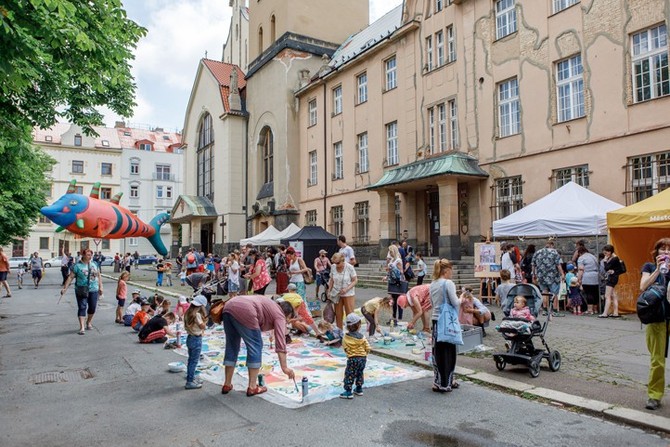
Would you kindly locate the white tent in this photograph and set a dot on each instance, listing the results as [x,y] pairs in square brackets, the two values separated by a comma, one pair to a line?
[284,234]
[269,232]
[571,210]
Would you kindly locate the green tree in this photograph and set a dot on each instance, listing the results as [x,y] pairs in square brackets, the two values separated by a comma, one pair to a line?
[58,59]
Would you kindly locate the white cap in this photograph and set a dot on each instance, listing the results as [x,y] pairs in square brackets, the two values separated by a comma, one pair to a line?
[182,299]
[199,301]
[136,292]
[353,318]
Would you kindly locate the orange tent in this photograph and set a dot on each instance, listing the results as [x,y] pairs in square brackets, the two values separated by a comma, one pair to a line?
[633,231]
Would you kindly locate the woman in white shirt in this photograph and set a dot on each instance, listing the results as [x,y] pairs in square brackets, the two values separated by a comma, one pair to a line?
[342,287]
[395,262]
[233,275]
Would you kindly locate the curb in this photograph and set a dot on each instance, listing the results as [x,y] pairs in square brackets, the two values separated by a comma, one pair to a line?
[604,410]
[144,286]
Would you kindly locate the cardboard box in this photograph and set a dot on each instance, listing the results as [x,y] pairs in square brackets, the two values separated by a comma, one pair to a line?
[472,337]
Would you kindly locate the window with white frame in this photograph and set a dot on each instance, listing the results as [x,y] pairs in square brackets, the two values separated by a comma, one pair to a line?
[509,196]
[560,5]
[163,172]
[145,147]
[439,43]
[391,76]
[313,168]
[105,169]
[650,63]
[509,118]
[134,167]
[77,167]
[310,218]
[429,52]
[505,18]
[133,241]
[337,100]
[361,222]
[570,88]
[442,120]
[77,140]
[647,175]
[163,192]
[312,112]
[134,191]
[431,130]
[577,174]
[453,125]
[392,143]
[337,220]
[439,4]
[363,161]
[451,44]
[339,161]
[105,193]
[362,83]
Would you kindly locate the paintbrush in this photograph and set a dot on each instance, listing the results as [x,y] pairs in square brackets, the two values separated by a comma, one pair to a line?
[296,386]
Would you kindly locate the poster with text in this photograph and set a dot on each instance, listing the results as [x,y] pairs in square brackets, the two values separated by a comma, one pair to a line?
[487,260]
[297,246]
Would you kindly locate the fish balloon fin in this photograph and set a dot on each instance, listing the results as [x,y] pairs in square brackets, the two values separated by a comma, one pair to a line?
[80,224]
[95,191]
[60,229]
[156,240]
[117,197]
[72,187]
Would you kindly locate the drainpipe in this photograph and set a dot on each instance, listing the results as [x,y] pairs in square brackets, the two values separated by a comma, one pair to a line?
[246,171]
[325,159]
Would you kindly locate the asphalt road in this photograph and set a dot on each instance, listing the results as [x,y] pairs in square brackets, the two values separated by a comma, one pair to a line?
[132,400]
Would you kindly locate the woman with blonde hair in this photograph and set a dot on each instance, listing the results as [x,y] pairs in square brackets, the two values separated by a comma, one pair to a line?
[443,293]
[395,270]
[341,287]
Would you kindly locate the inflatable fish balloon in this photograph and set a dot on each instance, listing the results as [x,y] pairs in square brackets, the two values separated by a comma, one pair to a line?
[95,218]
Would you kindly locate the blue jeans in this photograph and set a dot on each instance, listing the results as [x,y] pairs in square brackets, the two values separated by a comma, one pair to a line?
[159,279]
[127,319]
[90,302]
[235,332]
[194,345]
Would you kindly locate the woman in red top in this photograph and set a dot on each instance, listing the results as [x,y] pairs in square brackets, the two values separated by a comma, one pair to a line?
[259,276]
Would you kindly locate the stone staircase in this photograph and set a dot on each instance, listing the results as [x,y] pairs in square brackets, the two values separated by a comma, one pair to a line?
[372,273]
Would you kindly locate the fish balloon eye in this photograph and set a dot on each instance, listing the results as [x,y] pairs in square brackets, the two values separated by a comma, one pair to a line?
[73,202]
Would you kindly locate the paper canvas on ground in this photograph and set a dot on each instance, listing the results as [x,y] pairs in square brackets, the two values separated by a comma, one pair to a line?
[323,366]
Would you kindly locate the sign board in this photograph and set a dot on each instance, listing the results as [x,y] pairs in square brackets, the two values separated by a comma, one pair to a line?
[487,260]
[298,247]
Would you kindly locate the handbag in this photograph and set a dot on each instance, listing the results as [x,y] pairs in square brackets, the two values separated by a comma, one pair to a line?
[448,326]
[216,311]
[329,312]
[397,288]
[81,292]
[306,276]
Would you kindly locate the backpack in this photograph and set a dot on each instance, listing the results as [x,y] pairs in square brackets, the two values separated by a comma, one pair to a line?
[623,266]
[652,304]
[191,260]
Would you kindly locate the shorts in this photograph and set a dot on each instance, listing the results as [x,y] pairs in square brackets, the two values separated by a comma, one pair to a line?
[87,305]
[3,276]
[320,281]
[235,332]
[120,301]
[232,287]
[37,274]
[553,288]
[612,280]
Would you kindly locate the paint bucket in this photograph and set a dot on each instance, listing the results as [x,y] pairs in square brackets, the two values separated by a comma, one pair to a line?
[427,355]
[388,340]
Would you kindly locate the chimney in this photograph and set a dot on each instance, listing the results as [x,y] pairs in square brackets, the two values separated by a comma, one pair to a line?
[119,124]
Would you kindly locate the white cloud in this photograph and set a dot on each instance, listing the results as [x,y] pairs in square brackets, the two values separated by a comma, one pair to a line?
[380,7]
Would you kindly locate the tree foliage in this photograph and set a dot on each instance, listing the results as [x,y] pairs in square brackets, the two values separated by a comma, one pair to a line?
[58,59]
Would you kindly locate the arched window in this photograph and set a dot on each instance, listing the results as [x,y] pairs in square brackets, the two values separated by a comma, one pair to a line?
[273,29]
[260,40]
[206,157]
[267,151]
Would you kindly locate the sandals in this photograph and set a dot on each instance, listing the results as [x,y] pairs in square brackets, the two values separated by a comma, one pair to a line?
[81,332]
[225,389]
[439,389]
[254,391]
[89,327]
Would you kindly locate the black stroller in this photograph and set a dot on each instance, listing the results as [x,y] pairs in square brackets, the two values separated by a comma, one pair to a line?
[520,333]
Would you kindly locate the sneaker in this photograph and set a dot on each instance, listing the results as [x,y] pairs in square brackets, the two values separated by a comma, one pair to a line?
[347,395]
[544,313]
[358,391]
[192,385]
[652,404]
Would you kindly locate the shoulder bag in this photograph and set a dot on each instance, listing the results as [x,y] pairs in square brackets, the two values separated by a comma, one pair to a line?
[448,326]
[81,292]
[306,276]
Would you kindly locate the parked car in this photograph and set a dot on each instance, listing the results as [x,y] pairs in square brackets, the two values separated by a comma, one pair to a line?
[109,260]
[53,262]
[17,261]
[147,259]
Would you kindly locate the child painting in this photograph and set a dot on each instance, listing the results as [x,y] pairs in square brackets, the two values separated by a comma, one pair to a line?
[467,308]
[370,311]
[330,335]
[357,348]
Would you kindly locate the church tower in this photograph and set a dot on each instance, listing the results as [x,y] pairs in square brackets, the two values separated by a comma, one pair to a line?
[288,40]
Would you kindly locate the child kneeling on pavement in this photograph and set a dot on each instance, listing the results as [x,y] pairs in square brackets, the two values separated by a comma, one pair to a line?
[195,321]
[157,329]
[357,348]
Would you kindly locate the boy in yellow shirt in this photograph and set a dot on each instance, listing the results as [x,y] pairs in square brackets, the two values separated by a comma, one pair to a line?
[357,348]
[304,318]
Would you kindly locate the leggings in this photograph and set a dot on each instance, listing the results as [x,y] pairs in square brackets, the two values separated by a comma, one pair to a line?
[444,361]
[372,327]
[397,310]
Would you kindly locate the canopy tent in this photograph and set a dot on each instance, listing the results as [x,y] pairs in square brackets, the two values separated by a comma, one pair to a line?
[309,241]
[571,210]
[633,231]
[269,232]
[286,233]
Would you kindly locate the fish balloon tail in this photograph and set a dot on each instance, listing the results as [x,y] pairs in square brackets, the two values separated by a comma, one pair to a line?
[155,240]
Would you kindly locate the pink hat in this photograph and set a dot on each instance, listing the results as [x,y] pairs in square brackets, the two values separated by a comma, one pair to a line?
[402,301]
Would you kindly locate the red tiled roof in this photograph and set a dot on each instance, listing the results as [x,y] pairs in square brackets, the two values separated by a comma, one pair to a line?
[222,72]
[161,140]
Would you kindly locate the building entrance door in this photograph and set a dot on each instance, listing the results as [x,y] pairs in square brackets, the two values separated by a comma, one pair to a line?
[434,222]
[206,232]
[63,247]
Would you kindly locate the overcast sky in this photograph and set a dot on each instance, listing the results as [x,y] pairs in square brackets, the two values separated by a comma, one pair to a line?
[180,32]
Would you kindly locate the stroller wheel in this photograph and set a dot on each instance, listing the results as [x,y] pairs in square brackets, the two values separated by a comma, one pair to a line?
[534,369]
[500,363]
[554,361]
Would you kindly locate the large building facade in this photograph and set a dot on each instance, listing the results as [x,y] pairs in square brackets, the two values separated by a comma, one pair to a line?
[446,115]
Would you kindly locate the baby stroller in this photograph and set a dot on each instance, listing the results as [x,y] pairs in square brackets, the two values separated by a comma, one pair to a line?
[520,334]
